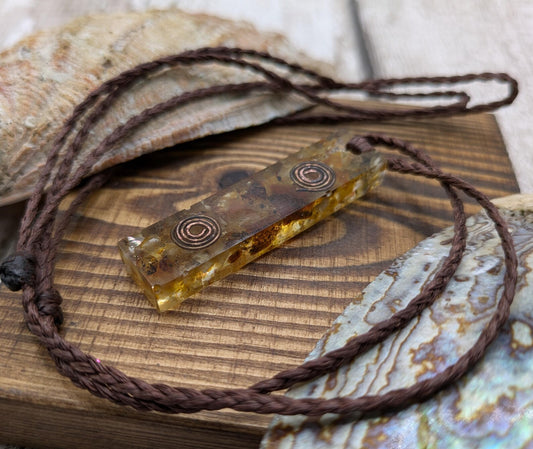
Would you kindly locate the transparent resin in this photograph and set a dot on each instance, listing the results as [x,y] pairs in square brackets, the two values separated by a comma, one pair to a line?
[176,257]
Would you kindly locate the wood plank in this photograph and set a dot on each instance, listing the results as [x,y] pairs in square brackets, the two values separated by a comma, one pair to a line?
[433,37]
[264,318]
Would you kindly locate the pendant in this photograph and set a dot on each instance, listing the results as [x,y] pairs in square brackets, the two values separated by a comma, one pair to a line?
[178,256]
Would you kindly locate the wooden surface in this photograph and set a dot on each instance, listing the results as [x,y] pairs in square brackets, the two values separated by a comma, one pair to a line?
[453,37]
[264,318]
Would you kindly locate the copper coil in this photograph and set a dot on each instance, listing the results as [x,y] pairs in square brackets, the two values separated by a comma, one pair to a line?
[313,176]
[196,232]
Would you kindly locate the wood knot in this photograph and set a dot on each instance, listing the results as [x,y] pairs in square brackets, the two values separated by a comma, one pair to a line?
[18,270]
[49,304]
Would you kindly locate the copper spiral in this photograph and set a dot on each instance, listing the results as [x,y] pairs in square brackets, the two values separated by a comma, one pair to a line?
[313,176]
[196,232]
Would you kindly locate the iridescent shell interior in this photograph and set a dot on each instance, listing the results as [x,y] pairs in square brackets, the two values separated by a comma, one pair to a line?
[490,407]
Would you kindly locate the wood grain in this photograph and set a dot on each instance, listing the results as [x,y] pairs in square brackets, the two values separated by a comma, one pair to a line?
[265,318]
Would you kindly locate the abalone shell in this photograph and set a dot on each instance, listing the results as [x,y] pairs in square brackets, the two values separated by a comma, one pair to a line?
[488,408]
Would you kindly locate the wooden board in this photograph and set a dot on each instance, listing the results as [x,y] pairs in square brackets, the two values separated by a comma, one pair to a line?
[436,37]
[263,319]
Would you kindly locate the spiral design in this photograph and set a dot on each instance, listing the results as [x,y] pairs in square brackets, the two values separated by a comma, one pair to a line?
[196,232]
[313,176]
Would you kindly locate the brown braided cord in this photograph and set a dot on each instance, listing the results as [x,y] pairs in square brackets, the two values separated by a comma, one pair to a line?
[41,231]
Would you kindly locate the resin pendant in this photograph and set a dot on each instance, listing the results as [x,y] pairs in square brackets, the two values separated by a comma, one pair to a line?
[176,257]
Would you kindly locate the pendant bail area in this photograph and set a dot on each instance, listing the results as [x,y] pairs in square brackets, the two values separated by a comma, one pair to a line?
[178,256]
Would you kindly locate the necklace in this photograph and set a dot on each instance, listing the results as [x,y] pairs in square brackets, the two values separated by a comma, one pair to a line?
[31,268]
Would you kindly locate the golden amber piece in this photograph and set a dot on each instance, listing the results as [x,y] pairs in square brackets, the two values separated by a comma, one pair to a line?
[176,257]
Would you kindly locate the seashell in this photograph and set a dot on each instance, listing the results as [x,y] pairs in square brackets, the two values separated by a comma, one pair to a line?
[489,407]
[45,75]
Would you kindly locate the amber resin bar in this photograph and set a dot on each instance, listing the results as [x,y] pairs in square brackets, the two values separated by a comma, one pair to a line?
[176,257]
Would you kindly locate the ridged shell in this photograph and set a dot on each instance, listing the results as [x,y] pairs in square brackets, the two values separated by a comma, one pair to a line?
[490,407]
[45,75]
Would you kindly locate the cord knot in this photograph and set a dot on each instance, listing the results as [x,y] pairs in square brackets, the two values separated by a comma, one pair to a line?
[18,270]
[359,145]
[49,304]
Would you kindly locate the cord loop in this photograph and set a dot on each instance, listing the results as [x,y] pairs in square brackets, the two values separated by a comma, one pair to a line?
[49,304]
[42,227]
[359,145]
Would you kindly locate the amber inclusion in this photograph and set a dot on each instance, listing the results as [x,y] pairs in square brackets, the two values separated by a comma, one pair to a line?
[178,256]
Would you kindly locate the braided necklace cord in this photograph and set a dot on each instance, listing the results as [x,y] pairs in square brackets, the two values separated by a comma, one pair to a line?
[32,267]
